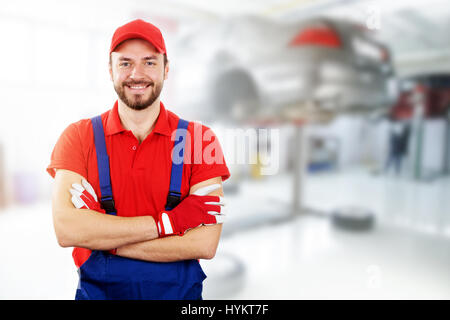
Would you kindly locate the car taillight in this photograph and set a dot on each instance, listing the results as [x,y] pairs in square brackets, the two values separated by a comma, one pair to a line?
[384,54]
[317,36]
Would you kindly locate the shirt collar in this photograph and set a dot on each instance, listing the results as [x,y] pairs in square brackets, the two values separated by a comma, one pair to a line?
[113,124]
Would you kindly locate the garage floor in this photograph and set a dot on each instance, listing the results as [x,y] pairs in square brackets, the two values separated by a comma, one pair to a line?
[406,255]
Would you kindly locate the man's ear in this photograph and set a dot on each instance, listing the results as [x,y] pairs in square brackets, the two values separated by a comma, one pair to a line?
[110,68]
[110,71]
[166,71]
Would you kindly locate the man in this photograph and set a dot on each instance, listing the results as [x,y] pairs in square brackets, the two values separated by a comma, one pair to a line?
[398,144]
[162,215]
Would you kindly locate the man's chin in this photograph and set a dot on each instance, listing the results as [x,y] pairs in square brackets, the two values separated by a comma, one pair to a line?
[138,101]
[139,104]
[138,107]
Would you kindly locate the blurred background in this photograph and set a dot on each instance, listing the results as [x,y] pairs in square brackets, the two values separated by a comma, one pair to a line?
[345,195]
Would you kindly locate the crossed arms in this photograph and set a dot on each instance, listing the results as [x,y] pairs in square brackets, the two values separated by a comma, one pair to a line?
[134,237]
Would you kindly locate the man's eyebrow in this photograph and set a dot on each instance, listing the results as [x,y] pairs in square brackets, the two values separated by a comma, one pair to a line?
[153,57]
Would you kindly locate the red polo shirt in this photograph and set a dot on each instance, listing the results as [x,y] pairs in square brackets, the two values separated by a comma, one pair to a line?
[140,173]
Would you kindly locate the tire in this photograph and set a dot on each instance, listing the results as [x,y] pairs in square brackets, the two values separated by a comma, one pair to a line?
[353,218]
[235,96]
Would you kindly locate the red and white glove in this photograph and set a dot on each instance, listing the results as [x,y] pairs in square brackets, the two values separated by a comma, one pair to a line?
[84,197]
[195,210]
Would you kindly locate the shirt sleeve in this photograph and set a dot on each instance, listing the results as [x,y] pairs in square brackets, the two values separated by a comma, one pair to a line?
[68,153]
[207,160]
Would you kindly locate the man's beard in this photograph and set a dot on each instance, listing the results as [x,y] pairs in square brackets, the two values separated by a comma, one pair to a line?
[137,102]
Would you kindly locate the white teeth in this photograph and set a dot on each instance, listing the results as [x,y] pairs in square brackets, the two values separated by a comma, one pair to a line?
[137,87]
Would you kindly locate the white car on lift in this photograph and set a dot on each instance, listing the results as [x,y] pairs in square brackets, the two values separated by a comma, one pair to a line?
[248,67]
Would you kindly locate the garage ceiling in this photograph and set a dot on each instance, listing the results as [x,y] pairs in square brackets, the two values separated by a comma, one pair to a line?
[416,31]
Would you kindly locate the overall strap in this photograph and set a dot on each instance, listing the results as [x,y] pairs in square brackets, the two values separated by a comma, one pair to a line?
[106,199]
[176,175]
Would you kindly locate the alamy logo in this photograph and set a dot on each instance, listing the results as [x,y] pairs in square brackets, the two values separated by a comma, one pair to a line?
[240,146]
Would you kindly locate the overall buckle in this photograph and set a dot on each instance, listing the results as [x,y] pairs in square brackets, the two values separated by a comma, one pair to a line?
[173,199]
[108,204]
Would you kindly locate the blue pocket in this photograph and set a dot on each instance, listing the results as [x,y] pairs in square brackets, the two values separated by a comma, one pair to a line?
[91,278]
[106,276]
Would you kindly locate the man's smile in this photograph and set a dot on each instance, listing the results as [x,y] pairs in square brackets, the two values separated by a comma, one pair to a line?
[137,88]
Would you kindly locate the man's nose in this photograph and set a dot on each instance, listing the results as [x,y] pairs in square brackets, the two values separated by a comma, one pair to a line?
[137,71]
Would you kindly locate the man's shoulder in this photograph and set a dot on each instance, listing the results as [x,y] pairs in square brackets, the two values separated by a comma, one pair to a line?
[83,127]
[80,127]
[173,119]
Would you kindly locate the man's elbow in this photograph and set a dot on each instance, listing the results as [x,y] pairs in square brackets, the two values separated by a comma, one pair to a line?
[63,242]
[209,255]
[209,241]
[62,232]
[62,237]
[209,251]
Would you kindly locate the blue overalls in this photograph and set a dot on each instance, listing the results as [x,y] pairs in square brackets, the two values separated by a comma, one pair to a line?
[108,276]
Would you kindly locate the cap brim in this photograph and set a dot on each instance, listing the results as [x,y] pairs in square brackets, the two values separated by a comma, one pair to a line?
[134,35]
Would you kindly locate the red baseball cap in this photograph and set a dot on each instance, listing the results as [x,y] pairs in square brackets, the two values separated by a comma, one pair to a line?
[141,30]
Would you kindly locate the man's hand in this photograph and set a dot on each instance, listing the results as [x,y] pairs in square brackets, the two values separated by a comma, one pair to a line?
[84,197]
[198,243]
[195,210]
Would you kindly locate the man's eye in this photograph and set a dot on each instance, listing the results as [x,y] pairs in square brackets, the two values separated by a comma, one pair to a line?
[150,63]
[124,64]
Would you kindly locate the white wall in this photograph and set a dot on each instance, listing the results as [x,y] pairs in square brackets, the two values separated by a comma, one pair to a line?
[354,135]
[55,72]
[433,145]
